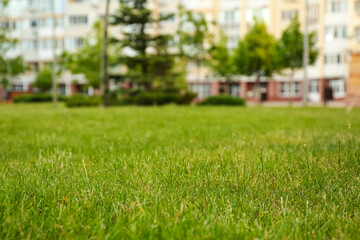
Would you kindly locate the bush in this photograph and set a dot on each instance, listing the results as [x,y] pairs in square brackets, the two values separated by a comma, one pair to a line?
[160,98]
[37,98]
[81,100]
[223,100]
[43,80]
[187,98]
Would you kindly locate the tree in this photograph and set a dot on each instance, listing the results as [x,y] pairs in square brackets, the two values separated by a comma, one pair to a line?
[255,53]
[9,67]
[221,60]
[146,56]
[193,34]
[43,80]
[289,51]
[86,60]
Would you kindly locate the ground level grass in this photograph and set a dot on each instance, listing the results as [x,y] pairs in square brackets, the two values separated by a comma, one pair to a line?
[179,172]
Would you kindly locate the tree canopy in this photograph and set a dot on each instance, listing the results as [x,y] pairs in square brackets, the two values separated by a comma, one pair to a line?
[147,58]
[43,80]
[255,53]
[221,60]
[290,48]
[87,59]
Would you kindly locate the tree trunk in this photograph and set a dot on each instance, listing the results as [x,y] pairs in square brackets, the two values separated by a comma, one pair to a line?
[257,89]
[105,57]
[54,80]
[292,89]
[198,69]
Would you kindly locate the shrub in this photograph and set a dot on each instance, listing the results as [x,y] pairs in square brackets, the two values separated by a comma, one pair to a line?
[187,98]
[160,98]
[223,100]
[81,100]
[37,98]
[43,80]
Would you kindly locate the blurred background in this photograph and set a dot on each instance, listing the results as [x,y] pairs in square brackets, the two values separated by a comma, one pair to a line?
[269,51]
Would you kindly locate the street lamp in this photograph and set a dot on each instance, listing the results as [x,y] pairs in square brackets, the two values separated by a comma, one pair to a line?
[54,83]
[305,54]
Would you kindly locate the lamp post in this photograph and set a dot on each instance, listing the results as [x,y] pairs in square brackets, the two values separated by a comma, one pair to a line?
[106,87]
[54,82]
[305,54]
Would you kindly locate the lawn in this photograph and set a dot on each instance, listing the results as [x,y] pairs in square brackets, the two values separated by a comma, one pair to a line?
[179,173]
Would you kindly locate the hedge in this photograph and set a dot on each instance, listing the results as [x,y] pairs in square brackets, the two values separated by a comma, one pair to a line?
[81,100]
[37,98]
[158,98]
[223,100]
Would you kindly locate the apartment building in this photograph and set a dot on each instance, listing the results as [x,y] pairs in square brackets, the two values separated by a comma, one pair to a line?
[336,24]
[31,23]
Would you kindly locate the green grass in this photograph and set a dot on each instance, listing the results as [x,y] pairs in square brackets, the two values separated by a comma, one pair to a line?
[179,173]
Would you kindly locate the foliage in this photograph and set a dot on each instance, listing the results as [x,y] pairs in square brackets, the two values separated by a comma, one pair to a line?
[157,98]
[193,35]
[148,62]
[81,100]
[43,80]
[179,173]
[290,48]
[223,100]
[255,53]
[221,60]
[86,59]
[37,98]
[13,66]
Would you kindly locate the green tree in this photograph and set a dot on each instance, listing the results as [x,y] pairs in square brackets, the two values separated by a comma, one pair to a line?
[9,67]
[43,80]
[290,48]
[193,35]
[87,59]
[255,54]
[221,59]
[149,64]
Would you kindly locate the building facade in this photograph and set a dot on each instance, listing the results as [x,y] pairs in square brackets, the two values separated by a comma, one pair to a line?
[336,24]
[31,23]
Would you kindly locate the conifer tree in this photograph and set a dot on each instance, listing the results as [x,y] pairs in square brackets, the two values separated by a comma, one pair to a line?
[146,56]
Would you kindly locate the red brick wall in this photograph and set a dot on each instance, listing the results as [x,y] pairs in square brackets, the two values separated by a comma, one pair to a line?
[353,87]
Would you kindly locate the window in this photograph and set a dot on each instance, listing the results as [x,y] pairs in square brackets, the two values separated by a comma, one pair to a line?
[285,90]
[313,14]
[75,42]
[233,42]
[202,89]
[344,32]
[229,16]
[357,34]
[17,87]
[338,58]
[335,32]
[33,23]
[78,20]
[357,7]
[336,6]
[338,87]
[314,86]
[235,90]
[289,14]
